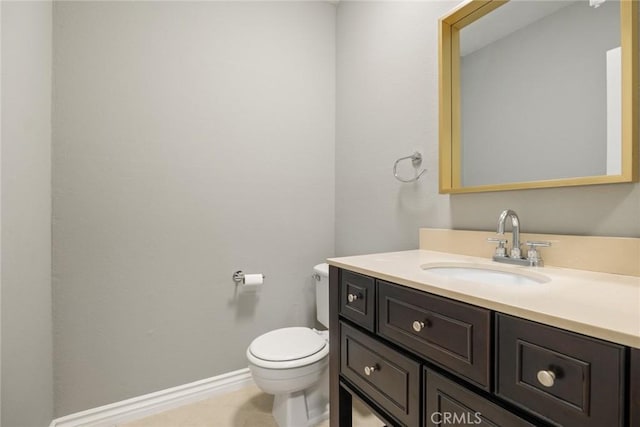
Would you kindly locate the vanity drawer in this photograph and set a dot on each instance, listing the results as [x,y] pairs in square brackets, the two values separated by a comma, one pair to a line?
[394,381]
[566,378]
[449,403]
[357,299]
[452,334]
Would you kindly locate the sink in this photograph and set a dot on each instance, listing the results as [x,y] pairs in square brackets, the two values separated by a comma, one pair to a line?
[482,273]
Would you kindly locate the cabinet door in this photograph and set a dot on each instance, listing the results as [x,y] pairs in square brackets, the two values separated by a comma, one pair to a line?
[450,404]
[566,378]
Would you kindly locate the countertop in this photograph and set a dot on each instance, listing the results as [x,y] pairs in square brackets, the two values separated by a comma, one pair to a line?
[600,305]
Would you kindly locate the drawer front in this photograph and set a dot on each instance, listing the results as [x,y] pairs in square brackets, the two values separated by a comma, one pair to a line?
[394,381]
[564,377]
[357,299]
[448,403]
[452,334]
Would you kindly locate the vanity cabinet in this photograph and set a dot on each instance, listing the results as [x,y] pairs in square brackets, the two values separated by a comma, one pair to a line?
[634,388]
[420,359]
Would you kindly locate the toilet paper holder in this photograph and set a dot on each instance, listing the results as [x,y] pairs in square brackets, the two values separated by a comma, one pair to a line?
[238,277]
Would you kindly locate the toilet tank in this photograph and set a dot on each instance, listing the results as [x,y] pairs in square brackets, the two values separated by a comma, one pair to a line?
[321,277]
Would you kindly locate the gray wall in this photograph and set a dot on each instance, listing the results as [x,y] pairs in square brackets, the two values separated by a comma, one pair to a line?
[387,100]
[190,140]
[534,103]
[387,97]
[27,374]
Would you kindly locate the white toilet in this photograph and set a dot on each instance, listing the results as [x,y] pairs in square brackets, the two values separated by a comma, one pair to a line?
[292,364]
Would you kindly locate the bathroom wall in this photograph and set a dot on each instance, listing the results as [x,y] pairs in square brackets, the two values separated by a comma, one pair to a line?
[27,372]
[190,140]
[387,108]
[387,100]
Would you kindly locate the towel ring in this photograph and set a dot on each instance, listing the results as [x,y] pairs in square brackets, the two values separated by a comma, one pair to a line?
[416,160]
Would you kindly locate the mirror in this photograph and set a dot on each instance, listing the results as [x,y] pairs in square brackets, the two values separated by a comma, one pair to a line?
[538,94]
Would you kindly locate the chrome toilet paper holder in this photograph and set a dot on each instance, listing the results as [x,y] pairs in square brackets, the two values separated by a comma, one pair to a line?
[238,277]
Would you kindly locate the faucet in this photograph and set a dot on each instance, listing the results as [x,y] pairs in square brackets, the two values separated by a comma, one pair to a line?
[515,231]
[515,255]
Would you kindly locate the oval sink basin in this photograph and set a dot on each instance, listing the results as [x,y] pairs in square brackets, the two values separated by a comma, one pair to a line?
[486,274]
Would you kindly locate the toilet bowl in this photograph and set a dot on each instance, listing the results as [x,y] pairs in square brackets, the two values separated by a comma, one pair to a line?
[292,364]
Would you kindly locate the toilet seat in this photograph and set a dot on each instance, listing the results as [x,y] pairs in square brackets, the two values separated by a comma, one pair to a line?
[287,348]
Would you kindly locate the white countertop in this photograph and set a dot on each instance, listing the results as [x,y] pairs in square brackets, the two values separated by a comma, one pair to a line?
[600,305]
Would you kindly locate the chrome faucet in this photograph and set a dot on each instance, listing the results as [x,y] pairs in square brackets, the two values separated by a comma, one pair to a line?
[515,255]
[515,231]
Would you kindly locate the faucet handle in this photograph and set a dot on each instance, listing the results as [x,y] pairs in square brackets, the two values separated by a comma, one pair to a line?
[533,255]
[501,251]
[538,243]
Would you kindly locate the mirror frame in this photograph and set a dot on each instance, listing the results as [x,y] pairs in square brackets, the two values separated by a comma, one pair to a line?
[449,101]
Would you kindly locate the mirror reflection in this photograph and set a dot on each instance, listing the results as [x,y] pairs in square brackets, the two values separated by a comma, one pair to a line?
[541,92]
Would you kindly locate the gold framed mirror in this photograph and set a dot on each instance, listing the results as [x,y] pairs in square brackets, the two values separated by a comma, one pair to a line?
[526,103]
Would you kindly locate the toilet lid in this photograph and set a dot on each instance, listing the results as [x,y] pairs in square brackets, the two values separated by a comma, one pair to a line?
[287,344]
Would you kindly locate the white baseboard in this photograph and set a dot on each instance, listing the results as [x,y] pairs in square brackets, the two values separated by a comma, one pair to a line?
[153,403]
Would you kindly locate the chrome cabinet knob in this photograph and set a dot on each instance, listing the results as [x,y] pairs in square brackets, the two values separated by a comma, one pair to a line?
[368,370]
[546,378]
[418,326]
[352,297]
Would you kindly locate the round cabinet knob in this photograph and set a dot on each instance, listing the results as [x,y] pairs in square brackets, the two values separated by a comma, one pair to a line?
[368,370]
[546,378]
[418,326]
[352,297]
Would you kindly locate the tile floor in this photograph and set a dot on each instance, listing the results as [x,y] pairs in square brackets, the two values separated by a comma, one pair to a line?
[248,407]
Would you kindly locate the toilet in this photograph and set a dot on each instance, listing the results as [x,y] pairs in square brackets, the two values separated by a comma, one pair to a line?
[292,364]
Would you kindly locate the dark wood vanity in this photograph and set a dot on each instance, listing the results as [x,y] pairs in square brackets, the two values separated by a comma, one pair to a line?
[418,359]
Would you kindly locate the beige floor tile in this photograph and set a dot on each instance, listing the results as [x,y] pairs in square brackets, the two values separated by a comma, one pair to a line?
[248,407]
[361,417]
